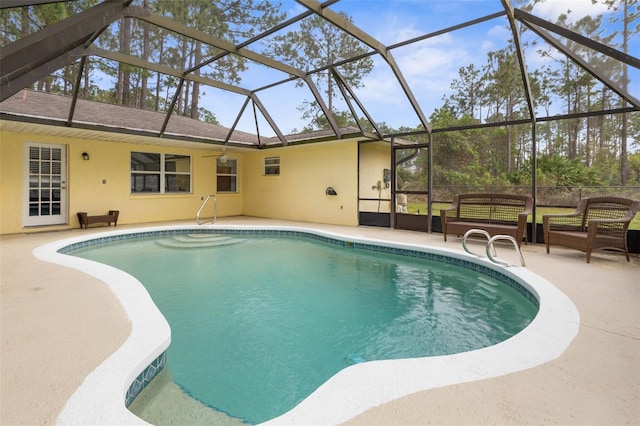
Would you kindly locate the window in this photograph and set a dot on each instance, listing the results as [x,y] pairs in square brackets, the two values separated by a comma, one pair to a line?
[160,173]
[227,175]
[272,166]
[177,173]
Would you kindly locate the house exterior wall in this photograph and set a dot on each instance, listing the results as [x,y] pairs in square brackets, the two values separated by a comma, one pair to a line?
[374,158]
[297,194]
[109,162]
[11,154]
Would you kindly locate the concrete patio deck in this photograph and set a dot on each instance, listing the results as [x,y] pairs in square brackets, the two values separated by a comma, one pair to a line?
[58,324]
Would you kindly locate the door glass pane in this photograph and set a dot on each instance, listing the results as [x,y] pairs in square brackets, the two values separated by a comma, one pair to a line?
[34,167]
[33,209]
[45,182]
[45,167]
[55,181]
[34,182]
[55,208]
[56,167]
[33,195]
[45,153]
[44,210]
[56,154]
[45,195]
[55,195]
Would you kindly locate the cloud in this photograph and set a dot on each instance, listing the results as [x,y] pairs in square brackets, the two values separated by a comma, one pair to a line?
[499,31]
[428,68]
[487,45]
[552,9]
[421,64]
[295,9]
[397,30]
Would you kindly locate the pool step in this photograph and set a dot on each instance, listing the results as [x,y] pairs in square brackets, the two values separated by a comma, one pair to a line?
[199,241]
[353,359]
[487,288]
[202,237]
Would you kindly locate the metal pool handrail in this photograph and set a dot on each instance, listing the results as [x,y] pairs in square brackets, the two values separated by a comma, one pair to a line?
[472,232]
[204,203]
[490,249]
[503,237]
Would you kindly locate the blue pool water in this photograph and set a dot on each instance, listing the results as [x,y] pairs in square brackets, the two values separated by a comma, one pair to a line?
[259,322]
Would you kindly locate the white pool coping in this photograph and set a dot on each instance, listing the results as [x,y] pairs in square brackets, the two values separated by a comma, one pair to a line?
[351,391]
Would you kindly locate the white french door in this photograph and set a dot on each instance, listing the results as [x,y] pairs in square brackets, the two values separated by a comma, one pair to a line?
[45,184]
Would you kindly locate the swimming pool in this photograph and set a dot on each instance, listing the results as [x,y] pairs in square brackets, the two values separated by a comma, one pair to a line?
[349,392]
[261,320]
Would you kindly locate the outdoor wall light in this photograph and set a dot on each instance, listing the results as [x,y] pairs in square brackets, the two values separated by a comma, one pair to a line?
[85,156]
[330,191]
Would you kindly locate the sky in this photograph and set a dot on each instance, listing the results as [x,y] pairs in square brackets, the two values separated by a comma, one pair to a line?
[429,66]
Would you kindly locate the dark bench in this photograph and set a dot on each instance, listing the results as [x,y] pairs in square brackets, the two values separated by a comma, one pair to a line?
[86,220]
[497,214]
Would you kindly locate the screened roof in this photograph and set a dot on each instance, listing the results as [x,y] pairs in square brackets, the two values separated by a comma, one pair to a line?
[255,73]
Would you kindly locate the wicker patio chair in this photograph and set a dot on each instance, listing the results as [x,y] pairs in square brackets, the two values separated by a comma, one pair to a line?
[597,223]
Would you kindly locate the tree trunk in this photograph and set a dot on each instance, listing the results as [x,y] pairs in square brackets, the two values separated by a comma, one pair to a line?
[587,143]
[184,92]
[195,91]
[145,56]
[86,74]
[624,161]
[126,49]
[156,105]
[601,122]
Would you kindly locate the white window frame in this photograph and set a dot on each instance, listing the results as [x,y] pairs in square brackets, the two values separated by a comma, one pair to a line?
[162,173]
[234,176]
[272,166]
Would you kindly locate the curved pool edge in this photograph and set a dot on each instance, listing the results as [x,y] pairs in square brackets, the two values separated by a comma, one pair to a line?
[100,398]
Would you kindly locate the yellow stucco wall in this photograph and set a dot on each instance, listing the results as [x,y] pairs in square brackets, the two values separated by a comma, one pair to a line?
[10,185]
[374,158]
[103,183]
[297,194]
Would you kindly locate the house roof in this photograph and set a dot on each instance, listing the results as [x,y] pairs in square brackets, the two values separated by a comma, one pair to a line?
[54,109]
[28,109]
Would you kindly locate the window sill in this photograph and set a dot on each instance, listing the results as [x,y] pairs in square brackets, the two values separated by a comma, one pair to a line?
[154,195]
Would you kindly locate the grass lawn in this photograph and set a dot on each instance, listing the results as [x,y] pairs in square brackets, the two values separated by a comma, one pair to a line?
[415,207]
